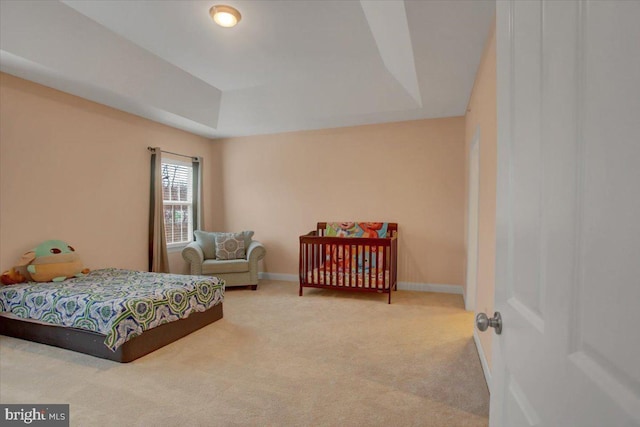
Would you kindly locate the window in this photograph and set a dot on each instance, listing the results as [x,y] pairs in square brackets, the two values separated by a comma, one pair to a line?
[177,197]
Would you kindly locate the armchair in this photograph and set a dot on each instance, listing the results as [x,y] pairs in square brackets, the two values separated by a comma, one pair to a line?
[202,259]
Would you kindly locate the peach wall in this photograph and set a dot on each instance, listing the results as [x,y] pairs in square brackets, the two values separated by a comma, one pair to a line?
[78,171]
[411,173]
[482,114]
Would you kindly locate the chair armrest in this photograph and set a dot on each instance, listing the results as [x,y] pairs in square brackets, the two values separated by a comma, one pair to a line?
[192,253]
[255,252]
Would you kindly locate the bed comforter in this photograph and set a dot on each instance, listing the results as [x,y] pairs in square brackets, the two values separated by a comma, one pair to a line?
[120,304]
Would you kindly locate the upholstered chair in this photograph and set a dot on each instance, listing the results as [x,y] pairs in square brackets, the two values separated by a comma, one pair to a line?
[232,257]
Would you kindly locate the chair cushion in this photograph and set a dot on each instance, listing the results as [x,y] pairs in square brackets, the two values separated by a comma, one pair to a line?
[247,238]
[207,241]
[231,266]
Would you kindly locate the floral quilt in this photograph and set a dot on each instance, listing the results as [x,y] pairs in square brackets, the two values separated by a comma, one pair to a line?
[371,230]
[120,304]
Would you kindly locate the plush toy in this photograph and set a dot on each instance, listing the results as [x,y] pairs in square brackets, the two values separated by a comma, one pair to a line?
[12,276]
[53,261]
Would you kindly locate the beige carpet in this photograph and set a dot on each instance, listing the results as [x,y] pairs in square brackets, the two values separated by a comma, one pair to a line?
[329,358]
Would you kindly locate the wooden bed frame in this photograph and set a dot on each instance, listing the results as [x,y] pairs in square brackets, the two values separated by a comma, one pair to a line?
[315,246]
[92,343]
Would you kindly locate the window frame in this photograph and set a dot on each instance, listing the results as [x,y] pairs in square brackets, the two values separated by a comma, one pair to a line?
[175,246]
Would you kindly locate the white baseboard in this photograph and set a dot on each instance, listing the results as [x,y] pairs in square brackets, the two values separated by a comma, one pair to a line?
[483,359]
[430,287]
[279,276]
[403,286]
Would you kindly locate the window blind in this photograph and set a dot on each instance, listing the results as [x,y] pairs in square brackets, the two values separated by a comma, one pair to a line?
[177,195]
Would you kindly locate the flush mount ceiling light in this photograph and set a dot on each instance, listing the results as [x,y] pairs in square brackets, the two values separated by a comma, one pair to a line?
[225,16]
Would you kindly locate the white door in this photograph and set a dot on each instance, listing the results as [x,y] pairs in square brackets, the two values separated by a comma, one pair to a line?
[568,215]
[472,223]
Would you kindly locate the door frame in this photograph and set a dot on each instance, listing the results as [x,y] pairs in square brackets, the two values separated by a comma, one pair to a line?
[473,227]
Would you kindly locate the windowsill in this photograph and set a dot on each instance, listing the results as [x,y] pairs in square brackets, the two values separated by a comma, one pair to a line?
[176,247]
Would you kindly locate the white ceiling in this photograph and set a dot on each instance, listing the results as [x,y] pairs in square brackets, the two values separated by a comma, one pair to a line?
[288,65]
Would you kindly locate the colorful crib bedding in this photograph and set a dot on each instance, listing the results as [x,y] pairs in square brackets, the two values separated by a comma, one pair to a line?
[356,258]
[370,230]
[120,304]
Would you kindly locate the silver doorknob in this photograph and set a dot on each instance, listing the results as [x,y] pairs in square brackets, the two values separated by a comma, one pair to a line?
[483,322]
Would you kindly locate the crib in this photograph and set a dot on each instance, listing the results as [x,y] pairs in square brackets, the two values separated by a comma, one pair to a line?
[358,264]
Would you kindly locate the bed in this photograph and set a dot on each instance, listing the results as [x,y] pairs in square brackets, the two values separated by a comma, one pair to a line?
[351,256]
[115,314]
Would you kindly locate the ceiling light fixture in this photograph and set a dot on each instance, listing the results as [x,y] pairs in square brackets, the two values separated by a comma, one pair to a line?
[225,16]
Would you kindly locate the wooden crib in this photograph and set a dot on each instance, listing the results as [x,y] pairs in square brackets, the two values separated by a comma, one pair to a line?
[359,264]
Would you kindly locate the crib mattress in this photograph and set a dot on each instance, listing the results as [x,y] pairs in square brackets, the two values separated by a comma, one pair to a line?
[373,280]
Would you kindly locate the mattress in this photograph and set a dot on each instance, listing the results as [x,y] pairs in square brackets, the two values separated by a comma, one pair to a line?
[14,317]
[120,304]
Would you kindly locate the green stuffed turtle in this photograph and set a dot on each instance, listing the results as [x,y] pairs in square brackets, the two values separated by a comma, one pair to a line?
[53,261]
